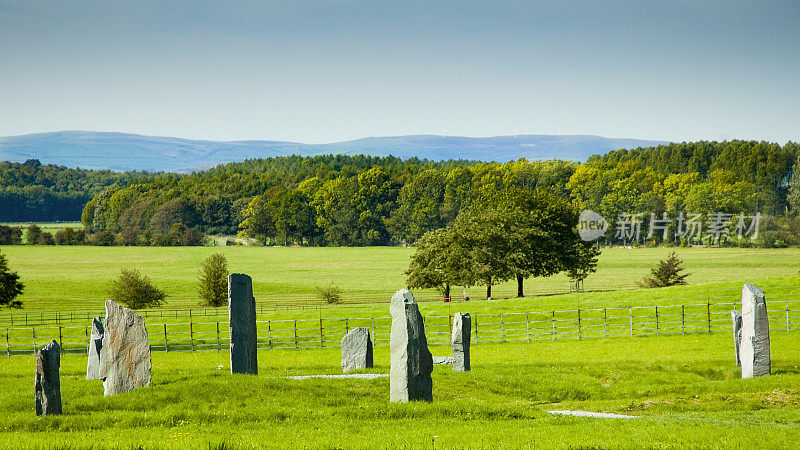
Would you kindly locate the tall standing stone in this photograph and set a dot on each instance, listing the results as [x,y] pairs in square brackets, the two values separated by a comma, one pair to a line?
[411,362]
[459,339]
[47,385]
[125,354]
[242,314]
[356,350]
[754,346]
[736,318]
[95,345]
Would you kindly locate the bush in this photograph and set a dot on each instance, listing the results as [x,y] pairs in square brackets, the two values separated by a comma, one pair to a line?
[667,273]
[33,234]
[331,294]
[10,235]
[46,239]
[213,286]
[135,290]
[10,286]
[101,238]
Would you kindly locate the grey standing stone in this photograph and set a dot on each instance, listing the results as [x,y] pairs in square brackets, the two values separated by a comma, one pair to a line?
[242,314]
[754,345]
[95,345]
[459,339]
[736,318]
[47,386]
[356,350]
[125,354]
[411,362]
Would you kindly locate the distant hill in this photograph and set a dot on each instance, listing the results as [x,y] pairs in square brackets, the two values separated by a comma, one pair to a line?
[122,151]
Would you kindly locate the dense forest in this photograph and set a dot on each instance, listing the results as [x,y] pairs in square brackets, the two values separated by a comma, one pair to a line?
[361,200]
[31,191]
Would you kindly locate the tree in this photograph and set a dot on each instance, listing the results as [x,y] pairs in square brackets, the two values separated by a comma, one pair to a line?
[10,286]
[33,235]
[667,273]
[584,261]
[441,261]
[213,285]
[135,290]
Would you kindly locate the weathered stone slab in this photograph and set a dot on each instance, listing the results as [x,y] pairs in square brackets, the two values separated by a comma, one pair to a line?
[459,340]
[47,385]
[242,315]
[411,362]
[95,345]
[356,350]
[442,360]
[125,354]
[736,318]
[754,345]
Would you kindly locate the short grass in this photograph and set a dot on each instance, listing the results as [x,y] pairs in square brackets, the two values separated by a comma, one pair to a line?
[75,278]
[686,391]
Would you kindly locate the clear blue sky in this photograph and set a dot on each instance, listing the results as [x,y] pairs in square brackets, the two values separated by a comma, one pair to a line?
[323,71]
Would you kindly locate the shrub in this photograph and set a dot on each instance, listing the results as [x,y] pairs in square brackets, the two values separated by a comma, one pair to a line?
[135,290]
[101,238]
[33,234]
[667,273]
[330,294]
[10,235]
[10,286]
[213,285]
[46,239]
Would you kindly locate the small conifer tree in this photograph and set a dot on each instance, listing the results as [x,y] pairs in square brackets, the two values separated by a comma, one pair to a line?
[667,273]
[10,286]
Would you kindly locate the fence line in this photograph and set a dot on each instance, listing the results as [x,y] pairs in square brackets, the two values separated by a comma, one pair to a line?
[35,318]
[504,327]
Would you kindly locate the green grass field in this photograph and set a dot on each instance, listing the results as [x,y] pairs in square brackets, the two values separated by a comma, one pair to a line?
[686,391]
[75,278]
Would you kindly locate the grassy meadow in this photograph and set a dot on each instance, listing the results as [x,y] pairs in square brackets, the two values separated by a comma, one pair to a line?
[67,278]
[685,391]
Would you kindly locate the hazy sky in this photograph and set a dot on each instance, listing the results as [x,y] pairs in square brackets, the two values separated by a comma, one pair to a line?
[322,71]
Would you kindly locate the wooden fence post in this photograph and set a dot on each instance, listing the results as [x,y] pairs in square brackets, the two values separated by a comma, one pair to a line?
[218,337]
[8,345]
[476,328]
[166,345]
[605,324]
[579,324]
[554,325]
[656,320]
[60,339]
[191,333]
[683,319]
[33,330]
[295,333]
[708,308]
[527,327]
[269,333]
[321,339]
[630,315]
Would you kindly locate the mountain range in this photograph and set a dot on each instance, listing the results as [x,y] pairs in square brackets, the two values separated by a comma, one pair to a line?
[123,151]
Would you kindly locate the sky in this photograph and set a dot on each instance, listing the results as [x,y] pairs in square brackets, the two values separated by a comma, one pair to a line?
[327,71]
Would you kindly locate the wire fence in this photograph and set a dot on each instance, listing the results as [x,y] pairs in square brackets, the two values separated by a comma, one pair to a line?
[504,327]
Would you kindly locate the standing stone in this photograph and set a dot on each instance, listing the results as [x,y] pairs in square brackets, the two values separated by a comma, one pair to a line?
[95,345]
[356,350]
[459,339]
[754,345]
[242,314]
[736,318]
[125,354]
[47,386]
[411,362]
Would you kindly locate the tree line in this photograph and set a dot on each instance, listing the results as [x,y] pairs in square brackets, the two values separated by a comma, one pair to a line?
[339,200]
